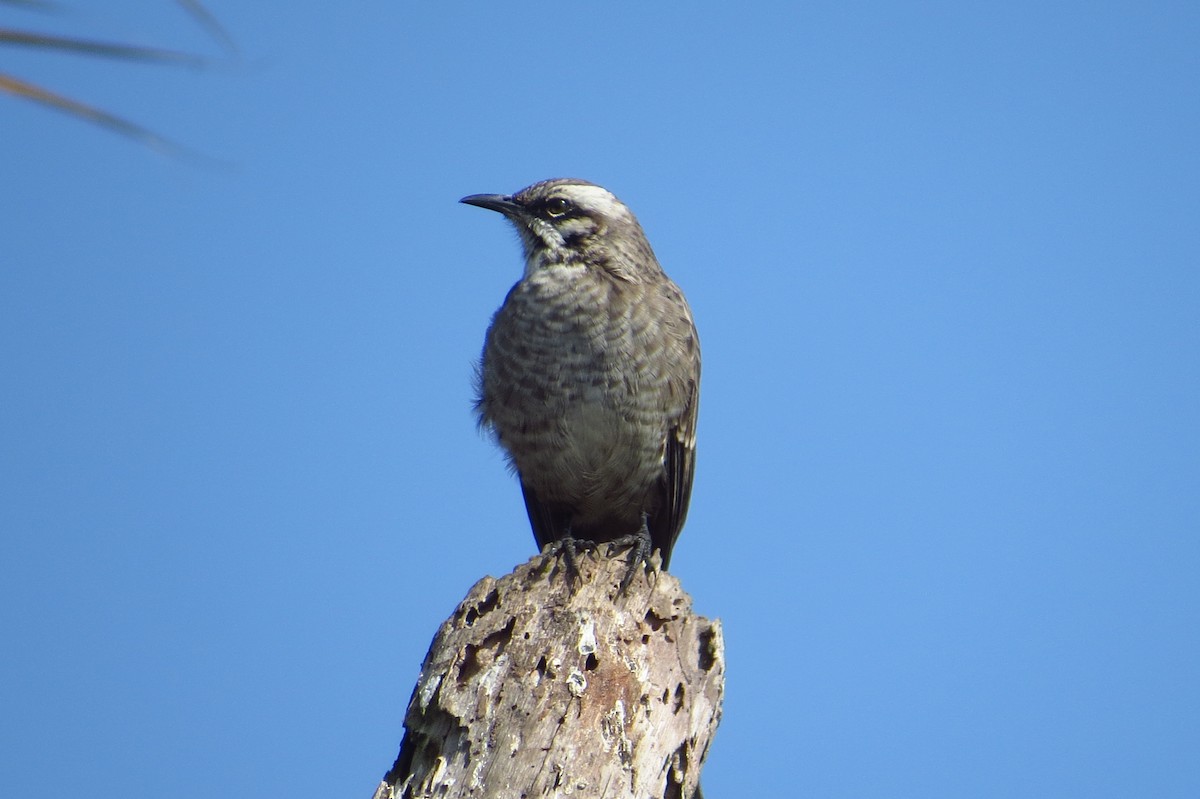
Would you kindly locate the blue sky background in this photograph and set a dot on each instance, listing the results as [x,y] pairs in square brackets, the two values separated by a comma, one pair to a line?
[944,261]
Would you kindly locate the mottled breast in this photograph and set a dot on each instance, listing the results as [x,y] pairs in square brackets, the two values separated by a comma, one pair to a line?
[582,375]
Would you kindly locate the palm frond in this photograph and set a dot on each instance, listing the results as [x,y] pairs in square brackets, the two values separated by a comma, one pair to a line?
[92,47]
[88,113]
[38,5]
[25,90]
[210,23]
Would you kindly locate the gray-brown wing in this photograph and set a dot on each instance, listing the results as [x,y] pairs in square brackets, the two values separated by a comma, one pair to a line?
[679,469]
[547,525]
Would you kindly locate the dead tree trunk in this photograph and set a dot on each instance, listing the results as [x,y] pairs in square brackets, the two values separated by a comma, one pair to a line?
[533,690]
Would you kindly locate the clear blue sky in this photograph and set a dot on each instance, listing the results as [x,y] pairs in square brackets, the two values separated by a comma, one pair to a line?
[945,261]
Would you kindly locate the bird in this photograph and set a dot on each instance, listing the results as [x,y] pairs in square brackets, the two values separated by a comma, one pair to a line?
[590,376]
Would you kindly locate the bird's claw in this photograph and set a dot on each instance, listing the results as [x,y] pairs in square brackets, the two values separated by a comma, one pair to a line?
[569,547]
[639,552]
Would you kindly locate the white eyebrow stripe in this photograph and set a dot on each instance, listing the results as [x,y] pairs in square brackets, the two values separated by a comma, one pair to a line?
[597,200]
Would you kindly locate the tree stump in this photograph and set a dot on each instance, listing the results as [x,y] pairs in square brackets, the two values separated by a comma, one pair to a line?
[534,688]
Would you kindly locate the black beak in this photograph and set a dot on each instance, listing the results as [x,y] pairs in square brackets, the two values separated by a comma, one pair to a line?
[494,202]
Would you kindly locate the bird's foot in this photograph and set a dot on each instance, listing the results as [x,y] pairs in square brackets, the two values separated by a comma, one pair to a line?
[639,552]
[569,547]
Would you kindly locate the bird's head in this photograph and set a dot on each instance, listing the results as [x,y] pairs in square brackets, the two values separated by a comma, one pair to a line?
[567,220]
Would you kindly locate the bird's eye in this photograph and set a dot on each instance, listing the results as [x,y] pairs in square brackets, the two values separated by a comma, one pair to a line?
[557,207]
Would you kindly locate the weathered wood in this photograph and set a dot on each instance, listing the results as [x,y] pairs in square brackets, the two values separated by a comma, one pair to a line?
[532,690]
